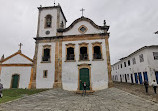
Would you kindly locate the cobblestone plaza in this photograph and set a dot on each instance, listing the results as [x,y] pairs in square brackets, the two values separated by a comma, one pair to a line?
[111,99]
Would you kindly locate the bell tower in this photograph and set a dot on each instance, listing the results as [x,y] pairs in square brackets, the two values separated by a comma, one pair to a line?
[49,20]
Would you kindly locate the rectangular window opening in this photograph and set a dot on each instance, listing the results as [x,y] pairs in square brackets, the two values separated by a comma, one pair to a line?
[141,58]
[45,73]
[155,54]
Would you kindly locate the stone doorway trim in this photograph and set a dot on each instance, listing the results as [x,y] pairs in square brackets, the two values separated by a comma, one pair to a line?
[80,67]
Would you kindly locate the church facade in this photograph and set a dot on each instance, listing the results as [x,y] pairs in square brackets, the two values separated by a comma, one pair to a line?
[67,56]
[64,56]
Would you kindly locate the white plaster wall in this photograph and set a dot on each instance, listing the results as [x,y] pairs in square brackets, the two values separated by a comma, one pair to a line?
[40,81]
[17,59]
[152,64]
[75,31]
[24,72]
[99,71]
[149,65]
[52,30]
[62,19]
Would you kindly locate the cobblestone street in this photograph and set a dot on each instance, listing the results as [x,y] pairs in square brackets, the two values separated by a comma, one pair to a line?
[111,99]
[138,90]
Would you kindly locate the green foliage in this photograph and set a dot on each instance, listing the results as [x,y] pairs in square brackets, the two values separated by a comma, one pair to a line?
[11,94]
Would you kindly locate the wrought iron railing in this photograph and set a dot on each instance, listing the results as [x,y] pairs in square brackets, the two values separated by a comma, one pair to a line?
[83,56]
[70,57]
[46,58]
[97,56]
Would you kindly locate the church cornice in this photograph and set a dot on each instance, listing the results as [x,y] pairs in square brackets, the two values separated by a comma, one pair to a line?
[61,37]
[84,19]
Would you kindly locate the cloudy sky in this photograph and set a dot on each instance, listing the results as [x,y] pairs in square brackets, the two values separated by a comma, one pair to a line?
[132,23]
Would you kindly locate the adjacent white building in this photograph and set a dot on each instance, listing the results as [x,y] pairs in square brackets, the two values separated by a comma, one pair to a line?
[16,71]
[138,66]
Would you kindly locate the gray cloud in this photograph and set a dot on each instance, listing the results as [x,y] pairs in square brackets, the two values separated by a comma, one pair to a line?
[132,23]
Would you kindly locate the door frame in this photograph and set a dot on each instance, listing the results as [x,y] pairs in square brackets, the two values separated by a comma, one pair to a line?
[81,66]
[12,80]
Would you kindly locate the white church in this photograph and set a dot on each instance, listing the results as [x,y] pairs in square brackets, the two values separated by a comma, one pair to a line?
[63,55]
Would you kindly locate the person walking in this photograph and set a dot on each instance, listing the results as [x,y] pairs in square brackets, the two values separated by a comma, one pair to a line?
[154,84]
[1,88]
[84,87]
[146,84]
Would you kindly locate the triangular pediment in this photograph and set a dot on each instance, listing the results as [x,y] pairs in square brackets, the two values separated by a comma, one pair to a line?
[17,58]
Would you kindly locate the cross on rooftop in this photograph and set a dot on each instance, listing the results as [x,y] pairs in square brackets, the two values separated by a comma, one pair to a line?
[82,11]
[54,2]
[20,45]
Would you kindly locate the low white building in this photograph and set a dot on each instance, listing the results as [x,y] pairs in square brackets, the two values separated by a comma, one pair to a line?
[138,66]
[16,70]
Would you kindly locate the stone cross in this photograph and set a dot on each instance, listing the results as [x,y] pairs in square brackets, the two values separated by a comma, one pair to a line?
[20,45]
[82,11]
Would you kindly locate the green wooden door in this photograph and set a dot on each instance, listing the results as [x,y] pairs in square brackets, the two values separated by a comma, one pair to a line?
[15,81]
[84,77]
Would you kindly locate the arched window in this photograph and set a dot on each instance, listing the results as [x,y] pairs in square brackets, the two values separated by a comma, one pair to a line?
[46,53]
[83,47]
[46,56]
[48,21]
[70,53]
[97,52]
[83,53]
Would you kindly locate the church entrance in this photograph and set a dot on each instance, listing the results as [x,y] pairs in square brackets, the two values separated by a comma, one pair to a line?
[15,81]
[84,77]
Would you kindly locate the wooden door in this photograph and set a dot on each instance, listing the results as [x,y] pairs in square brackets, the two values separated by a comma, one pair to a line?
[136,78]
[145,76]
[15,81]
[140,77]
[84,77]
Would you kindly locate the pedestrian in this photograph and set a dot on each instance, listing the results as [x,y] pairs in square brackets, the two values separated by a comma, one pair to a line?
[154,84]
[146,84]
[1,88]
[84,87]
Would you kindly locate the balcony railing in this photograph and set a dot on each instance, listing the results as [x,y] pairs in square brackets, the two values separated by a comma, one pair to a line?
[70,57]
[97,56]
[46,58]
[83,56]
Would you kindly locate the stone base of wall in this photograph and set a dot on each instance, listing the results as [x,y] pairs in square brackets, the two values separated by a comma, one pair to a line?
[57,85]
[33,85]
[110,84]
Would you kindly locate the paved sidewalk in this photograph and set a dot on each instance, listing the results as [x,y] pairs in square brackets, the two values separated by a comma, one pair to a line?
[59,100]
